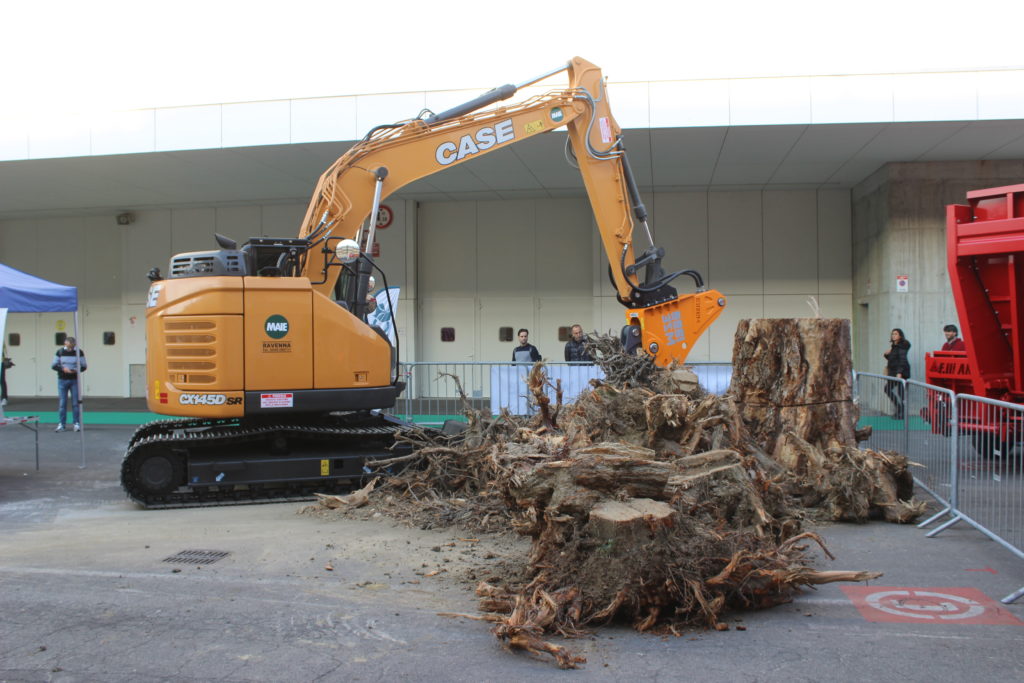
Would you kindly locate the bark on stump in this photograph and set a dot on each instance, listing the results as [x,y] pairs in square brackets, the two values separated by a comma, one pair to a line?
[795,376]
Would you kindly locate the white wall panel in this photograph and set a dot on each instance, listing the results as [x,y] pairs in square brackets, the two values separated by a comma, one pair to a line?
[609,315]
[836,306]
[188,128]
[374,110]
[723,331]
[564,233]
[132,338]
[102,256]
[514,312]
[281,220]
[790,305]
[59,136]
[505,233]
[13,142]
[760,101]
[790,242]
[18,245]
[124,132]
[1000,94]
[256,123]
[631,104]
[60,251]
[457,312]
[554,312]
[107,374]
[22,379]
[447,249]
[736,242]
[681,227]
[145,244]
[329,118]
[935,97]
[689,103]
[192,230]
[851,99]
[835,263]
[238,222]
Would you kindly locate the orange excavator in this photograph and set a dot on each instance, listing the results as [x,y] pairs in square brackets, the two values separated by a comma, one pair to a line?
[264,351]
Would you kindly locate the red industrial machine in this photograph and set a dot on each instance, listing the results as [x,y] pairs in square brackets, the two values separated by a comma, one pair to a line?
[985,256]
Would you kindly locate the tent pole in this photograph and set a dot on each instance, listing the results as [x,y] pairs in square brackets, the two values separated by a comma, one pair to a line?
[78,381]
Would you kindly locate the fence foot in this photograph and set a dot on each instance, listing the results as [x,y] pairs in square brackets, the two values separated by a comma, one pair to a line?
[936,532]
[934,517]
[1013,596]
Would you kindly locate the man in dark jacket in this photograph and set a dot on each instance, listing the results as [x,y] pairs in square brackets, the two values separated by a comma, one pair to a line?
[575,350]
[68,362]
[525,352]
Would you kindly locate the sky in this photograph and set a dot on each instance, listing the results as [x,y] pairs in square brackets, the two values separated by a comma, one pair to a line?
[63,57]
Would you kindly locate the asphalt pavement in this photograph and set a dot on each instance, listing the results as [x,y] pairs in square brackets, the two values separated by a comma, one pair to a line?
[87,593]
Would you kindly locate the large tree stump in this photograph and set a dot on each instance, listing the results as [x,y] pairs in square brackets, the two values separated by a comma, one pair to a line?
[795,376]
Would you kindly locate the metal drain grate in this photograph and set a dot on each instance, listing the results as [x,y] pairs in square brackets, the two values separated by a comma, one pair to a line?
[197,556]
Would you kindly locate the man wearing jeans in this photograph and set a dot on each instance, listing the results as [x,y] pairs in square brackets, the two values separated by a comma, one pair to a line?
[68,362]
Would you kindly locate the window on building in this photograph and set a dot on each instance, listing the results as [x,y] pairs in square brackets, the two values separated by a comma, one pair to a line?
[447,334]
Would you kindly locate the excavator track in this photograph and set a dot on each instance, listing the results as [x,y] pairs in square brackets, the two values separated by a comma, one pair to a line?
[197,463]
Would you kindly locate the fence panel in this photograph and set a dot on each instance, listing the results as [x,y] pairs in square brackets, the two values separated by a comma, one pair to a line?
[931,446]
[881,402]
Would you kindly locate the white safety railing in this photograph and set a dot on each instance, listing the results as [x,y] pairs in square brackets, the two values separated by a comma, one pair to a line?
[431,396]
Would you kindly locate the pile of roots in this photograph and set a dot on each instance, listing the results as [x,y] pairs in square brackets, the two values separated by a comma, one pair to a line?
[650,501]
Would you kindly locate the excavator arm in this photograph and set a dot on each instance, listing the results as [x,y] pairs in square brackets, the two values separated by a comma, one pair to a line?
[664,324]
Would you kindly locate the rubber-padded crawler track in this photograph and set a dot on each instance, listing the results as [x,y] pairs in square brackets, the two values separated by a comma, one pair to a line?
[187,439]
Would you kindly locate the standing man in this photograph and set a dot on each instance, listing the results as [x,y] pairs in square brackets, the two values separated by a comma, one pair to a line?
[525,352]
[953,340]
[575,351]
[68,362]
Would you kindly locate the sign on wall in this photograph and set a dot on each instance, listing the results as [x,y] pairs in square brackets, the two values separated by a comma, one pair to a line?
[903,283]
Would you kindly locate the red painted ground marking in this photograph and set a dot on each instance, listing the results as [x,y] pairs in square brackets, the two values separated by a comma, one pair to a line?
[895,604]
[983,569]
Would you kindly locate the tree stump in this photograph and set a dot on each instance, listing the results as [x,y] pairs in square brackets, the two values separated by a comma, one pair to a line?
[795,376]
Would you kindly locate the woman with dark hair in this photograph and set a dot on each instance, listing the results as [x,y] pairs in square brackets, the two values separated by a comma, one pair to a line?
[897,365]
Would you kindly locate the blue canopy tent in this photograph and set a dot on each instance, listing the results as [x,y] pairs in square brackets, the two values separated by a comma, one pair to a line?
[24,293]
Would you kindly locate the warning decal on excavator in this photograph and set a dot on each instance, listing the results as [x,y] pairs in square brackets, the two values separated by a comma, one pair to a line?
[277,400]
[533,127]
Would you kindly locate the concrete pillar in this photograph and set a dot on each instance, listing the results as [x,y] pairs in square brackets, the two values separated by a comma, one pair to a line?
[899,230]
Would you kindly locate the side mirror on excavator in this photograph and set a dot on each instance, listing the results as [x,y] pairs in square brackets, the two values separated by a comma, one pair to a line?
[347,251]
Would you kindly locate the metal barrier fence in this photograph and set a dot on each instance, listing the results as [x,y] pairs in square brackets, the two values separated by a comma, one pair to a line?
[931,446]
[965,452]
[990,491]
[431,395]
[880,400]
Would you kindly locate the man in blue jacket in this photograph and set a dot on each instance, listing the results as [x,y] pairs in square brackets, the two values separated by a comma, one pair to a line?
[68,362]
